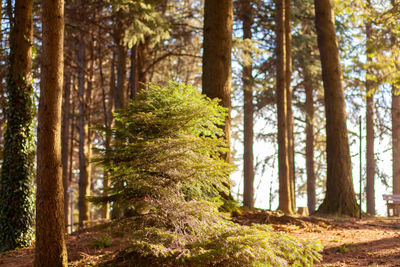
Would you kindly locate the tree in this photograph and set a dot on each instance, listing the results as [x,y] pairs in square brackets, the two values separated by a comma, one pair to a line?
[340,197]
[50,243]
[247,79]
[395,112]
[289,96]
[370,91]
[84,144]
[285,197]
[16,189]
[216,79]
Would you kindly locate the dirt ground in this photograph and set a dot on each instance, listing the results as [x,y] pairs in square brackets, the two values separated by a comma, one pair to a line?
[347,241]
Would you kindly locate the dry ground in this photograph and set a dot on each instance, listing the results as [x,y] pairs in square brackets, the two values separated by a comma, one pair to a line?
[348,242]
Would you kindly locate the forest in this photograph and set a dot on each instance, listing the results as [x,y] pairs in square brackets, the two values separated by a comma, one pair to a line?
[199,133]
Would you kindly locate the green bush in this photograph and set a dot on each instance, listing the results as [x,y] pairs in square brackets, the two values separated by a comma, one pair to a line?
[165,165]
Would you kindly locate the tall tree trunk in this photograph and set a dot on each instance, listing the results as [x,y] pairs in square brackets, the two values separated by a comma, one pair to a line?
[309,109]
[340,197]
[248,165]
[217,71]
[288,70]
[84,179]
[107,114]
[119,93]
[16,188]
[50,243]
[395,126]
[65,144]
[71,158]
[281,98]
[396,138]
[370,157]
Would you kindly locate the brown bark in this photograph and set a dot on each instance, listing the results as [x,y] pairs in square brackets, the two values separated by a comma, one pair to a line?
[396,139]
[309,106]
[120,92]
[84,168]
[216,79]
[65,145]
[107,114]
[281,97]
[370,156]
[133,74]
[395,128]
[289,96]
[340,197]
[50,243]
[248,165]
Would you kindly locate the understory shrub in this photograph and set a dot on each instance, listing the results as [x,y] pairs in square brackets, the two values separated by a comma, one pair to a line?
[166,172]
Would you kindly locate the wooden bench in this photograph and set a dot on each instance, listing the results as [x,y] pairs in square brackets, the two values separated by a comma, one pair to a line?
[392,203]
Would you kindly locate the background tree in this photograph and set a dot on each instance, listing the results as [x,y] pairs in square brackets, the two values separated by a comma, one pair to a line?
[285,189]
[370,91]
[246,11]
[339,198]
[16,189]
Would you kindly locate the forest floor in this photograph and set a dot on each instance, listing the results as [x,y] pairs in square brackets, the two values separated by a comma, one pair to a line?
[372,241]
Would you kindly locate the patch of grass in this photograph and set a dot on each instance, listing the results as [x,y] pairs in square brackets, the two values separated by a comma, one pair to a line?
[104,241]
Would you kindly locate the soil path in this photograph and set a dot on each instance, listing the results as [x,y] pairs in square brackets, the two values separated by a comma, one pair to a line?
[372,241]
[348,242]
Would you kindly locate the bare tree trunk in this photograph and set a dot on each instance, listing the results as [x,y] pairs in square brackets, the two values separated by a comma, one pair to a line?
[133,76]
[288,70]
[370,91]
[65,145]
[281,96]
[309,106]
[84,168]
[217,72]
[50,243]
[107,114]
[396,138]
[71,156]
[395,127]
[248,166]
[340,197]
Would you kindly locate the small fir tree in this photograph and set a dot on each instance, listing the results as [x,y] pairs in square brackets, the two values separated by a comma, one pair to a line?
[165,167]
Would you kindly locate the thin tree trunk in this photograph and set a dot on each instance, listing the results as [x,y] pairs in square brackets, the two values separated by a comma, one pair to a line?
[248,166]
[132,77]
[281,96]
[107,123]
[65,129]
[288,70]
[16,189]
[2,87]
[84,180]
[217,72]
[50,243]
[370,157]
[120,93]
[340,197]
[310,168]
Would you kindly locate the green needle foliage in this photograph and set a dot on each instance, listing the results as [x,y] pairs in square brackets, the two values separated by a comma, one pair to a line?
[167,147]
[165,167]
